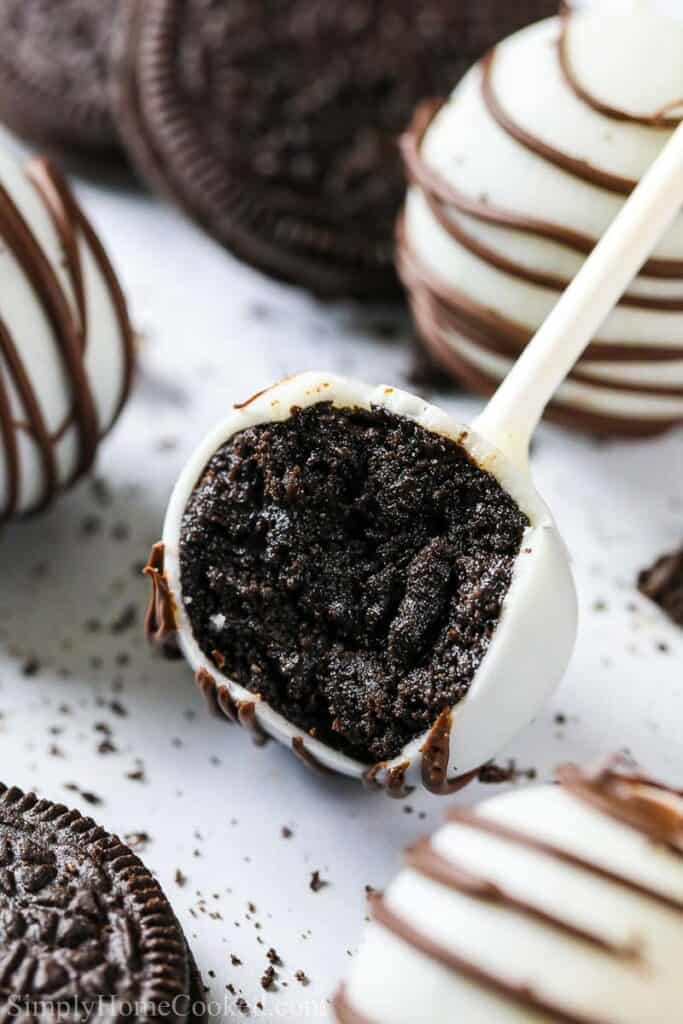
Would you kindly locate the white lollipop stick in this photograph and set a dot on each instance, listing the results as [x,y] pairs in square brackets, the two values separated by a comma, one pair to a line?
[512,415]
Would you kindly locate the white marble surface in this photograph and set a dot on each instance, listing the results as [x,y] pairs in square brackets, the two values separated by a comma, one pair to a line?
[212,332]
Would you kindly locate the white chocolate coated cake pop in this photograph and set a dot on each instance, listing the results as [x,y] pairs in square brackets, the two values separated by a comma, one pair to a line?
[553,905]
[213,594]
[66,346]
[515,178]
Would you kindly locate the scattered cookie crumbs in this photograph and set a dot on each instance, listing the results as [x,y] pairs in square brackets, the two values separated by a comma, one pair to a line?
[31,667]
[137,840]
[180,878]
[317,883]
[274,957]
[85,794]
[493,774]
[286,832]
[268,978]
[235,960]
[302,978]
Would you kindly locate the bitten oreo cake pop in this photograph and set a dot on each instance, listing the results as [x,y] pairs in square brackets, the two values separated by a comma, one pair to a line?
[336,560]
[353,572]
[54,72]
[85,931]
[516,177]
[274,122]
[66,349]
[555,904]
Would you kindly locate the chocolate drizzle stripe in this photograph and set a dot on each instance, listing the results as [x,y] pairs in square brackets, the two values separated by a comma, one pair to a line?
[306,757]
[118,301]
[520,994]
[574,166]
[345,1012]
[500,333]
[433,183]
[393,779]
[424,859]
[567,415]
[48,290]
[540,278]
[69,217]
[659,119]
[617,796]
[9,441]
[446,318]
[36,423]
[61,207]
[470,819]
[160,621]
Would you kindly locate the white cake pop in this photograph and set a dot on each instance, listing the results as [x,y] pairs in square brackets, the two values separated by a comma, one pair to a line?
[517,176]
[532,641]
[66,348]
[552,904]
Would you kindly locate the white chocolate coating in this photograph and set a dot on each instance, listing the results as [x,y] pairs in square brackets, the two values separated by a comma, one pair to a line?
[66,349]
[534,637]
[518,175]
[605,949]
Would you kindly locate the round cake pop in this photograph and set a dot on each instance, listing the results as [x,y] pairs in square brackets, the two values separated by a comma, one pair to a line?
[352,572]
[515,178]
[557,903]
[66,346]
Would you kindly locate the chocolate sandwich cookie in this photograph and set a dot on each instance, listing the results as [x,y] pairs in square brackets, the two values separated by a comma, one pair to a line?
[85,931]
[274,122]
[54,70]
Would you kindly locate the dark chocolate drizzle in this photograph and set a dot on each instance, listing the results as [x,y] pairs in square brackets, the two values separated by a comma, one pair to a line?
[70,333]
[618,796]
[393,780]
[658,119]
[424,859]
[436,186]
[572,165]
[609,790]
[161,627]
[561,412]
[307,758]
[520,994]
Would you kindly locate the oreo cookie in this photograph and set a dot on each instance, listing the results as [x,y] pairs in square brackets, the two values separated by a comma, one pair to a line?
[54,71]
[85,931]
[274,122]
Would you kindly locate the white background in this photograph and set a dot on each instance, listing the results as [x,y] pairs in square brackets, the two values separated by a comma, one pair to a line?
[212,332]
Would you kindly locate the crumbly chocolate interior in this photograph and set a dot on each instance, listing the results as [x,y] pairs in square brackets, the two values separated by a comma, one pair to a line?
[349,566]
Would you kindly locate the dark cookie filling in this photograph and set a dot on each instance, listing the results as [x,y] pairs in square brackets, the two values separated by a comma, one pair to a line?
[350,567]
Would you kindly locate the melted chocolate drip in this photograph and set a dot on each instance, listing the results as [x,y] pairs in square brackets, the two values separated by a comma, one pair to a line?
[160,622]
[436,753]
[307,758]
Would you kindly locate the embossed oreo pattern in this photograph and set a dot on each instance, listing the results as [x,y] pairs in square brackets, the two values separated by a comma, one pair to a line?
[82,918]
